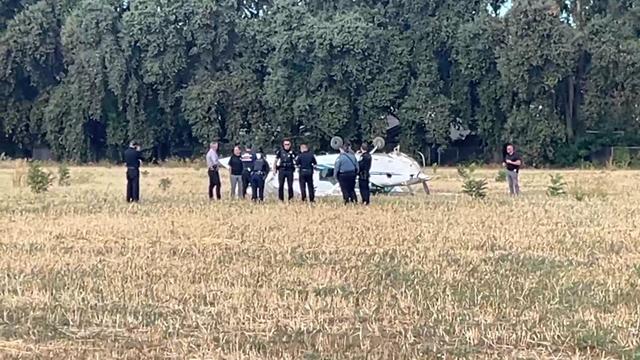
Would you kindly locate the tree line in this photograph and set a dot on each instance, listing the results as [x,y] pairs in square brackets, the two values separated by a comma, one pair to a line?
[559,78]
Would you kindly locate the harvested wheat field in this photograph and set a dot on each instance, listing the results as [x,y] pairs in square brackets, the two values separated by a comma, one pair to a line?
[84,275]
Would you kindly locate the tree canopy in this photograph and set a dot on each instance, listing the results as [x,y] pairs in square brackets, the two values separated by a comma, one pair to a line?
[83,77]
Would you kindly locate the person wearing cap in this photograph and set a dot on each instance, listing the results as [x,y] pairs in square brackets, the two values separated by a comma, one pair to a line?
[247,158]
[259,171]
[346,170]
[132,159]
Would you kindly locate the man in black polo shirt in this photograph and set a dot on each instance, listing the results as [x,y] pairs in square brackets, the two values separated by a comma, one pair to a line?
[512,163]
[285,167]
[306,162]
[133,158]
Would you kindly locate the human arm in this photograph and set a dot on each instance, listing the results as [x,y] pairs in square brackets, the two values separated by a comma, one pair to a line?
[336,167]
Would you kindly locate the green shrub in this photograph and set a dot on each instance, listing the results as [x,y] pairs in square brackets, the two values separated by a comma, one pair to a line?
[64,175]
[164,184]
[476,188]
[38,179]
[621,158]
[434,168]
[501,176]
[557,187]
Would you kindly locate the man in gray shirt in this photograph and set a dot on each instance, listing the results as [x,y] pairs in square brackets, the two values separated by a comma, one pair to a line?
[213,163]
[345,170]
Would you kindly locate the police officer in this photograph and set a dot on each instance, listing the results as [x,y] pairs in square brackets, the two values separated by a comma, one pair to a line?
[247,158]
[285,167]
[259,171]
[133,158]
[306,162]
[363,176]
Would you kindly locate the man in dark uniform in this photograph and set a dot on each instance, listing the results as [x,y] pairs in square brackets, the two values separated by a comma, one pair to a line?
[363,176]
[259,173]
[247,158]
[133,158]
[306,162]
[285,167]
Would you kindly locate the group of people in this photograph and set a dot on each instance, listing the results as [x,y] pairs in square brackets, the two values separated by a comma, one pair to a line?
[249,168]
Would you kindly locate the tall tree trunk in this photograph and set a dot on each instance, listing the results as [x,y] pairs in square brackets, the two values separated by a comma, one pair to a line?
[569,109]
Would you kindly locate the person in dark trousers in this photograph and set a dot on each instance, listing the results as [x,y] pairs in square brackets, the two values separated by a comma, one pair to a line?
[306,162]
[512,163]
[363,175]
[285,167]
[247,164]
[235,163]
[213,164]
[133,158]
[259,171]
[346,170]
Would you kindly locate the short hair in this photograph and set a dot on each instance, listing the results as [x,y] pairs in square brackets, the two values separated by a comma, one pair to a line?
[304,145]
[286,140]
[364,146]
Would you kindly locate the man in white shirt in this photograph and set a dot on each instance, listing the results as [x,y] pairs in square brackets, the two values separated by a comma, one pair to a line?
[213,162]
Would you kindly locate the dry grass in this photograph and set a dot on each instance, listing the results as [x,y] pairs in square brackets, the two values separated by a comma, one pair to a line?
[83,275]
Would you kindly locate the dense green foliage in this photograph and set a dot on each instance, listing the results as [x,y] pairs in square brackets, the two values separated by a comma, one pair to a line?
[86,76]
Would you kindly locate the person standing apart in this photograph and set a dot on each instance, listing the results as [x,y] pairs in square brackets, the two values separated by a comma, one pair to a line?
[306,162]
[512,163]
[133,159]
[235,163]
[346,170]
[259,173]
[363,175]
[213,164]
[247,164]
[285,167]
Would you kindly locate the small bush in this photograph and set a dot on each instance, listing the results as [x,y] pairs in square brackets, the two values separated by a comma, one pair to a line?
[38,179]
[501,176]
[144,173]
[64,175]
[164,184]
[557,187]
[476,188]
[621,158]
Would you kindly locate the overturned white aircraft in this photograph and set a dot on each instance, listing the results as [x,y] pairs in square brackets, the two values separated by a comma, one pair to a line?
[391,173]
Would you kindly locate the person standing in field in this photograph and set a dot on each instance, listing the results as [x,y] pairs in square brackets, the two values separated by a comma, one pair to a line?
[235,163]
[363,175]
[259,171]
[213,164]
[247,164]
[306,162]
[512,163]
[346,170]
[133,158]
[285,167]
